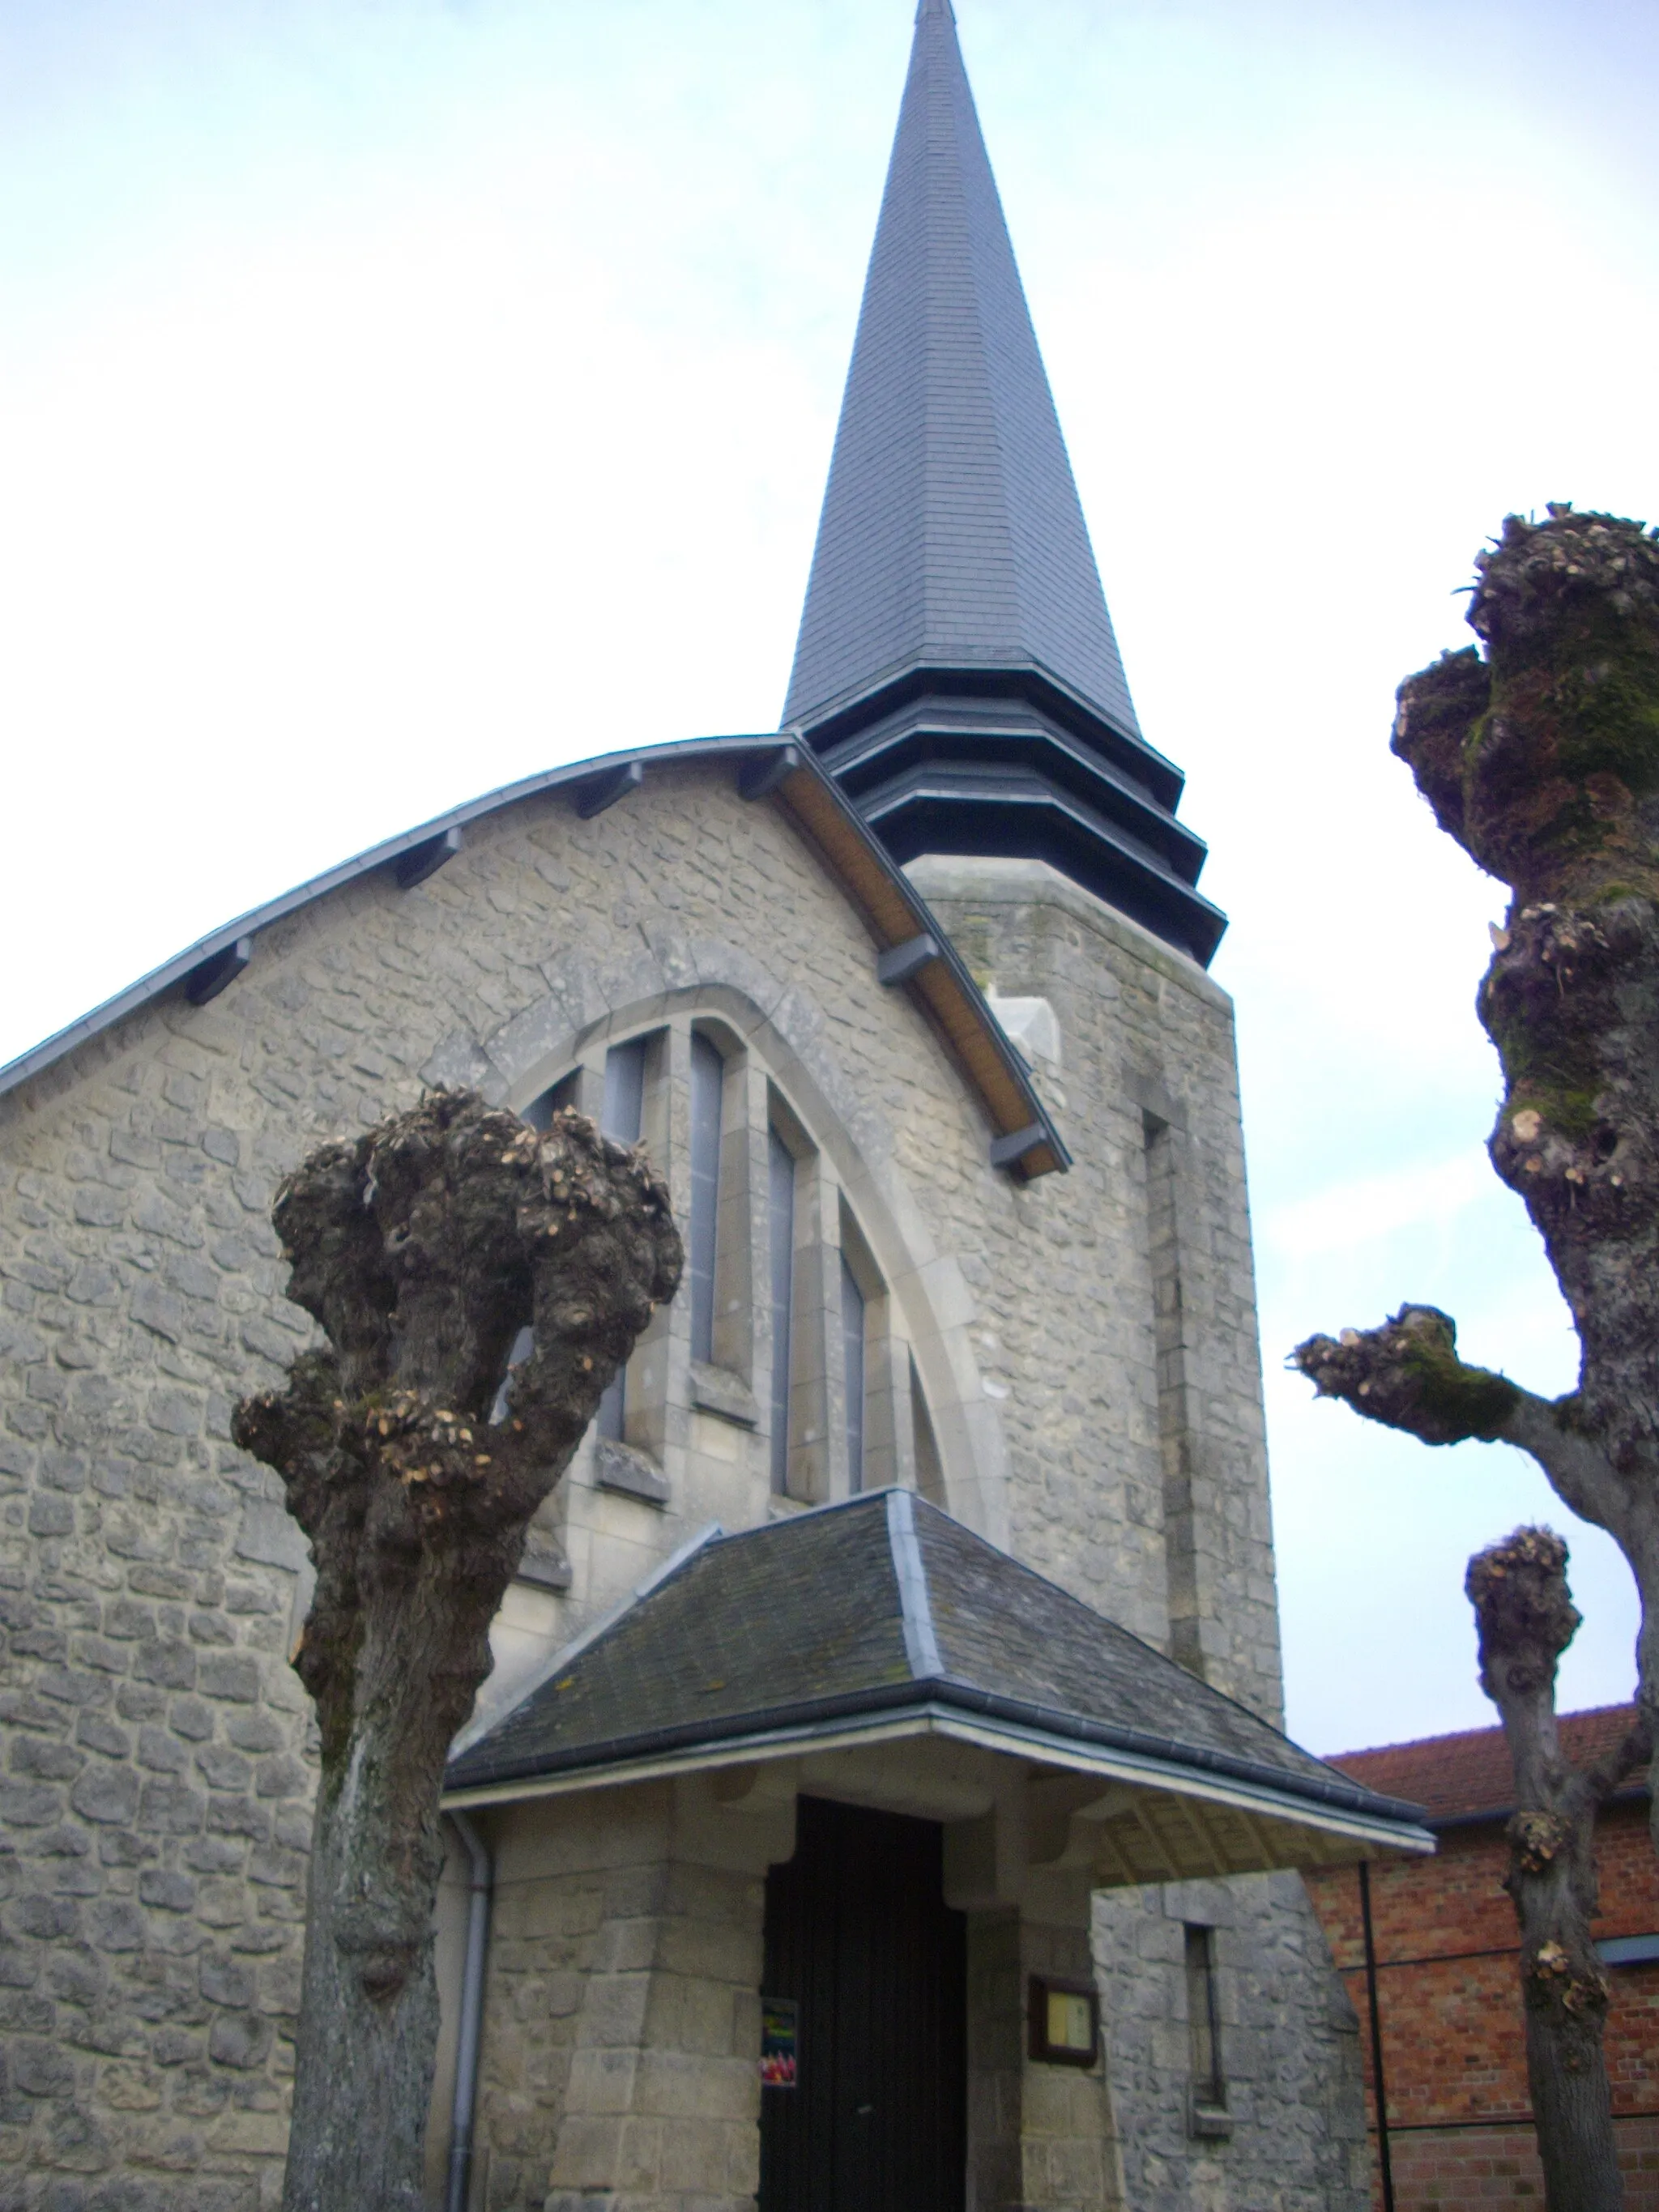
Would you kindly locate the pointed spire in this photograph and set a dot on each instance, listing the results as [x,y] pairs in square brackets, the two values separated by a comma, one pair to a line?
[952,531]
[956,666]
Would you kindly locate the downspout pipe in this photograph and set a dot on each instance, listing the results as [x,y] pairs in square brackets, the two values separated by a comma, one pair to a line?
[1378,2085]
[480,1882]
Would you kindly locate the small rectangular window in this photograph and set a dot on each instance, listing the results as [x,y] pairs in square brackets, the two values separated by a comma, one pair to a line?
[852,1329]
[780,1230]
[620,1117]
[707,1081]
[1203,2021]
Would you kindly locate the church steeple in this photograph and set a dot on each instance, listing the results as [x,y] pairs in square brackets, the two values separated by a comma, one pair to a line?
[955,665]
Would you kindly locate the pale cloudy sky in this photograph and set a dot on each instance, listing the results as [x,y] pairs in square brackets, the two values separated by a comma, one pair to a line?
[396,397]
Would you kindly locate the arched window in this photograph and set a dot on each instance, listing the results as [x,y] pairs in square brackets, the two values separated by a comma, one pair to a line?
[784,1356]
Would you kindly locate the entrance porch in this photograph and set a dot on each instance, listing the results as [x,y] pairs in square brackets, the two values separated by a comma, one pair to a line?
[863,1768]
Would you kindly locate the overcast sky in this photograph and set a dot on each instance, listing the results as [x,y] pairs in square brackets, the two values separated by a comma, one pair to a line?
[398,397]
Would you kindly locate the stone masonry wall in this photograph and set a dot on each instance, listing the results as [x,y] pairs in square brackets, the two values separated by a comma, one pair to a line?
[621,2057]
[155,1766]
[1146,1463]
[1290,2047]
[1134,1050]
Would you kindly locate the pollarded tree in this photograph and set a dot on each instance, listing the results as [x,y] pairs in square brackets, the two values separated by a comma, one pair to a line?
[1526,1618]
[422,1247]
[1540,757]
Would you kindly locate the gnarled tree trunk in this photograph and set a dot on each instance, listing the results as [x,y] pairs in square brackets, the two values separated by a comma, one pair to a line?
[422,1248]
[1527,1618]
[1541,758]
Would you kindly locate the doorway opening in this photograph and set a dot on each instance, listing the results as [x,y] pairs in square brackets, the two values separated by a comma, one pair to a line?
[867,1967]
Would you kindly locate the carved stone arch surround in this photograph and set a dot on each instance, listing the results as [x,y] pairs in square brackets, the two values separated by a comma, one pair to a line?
[589,1002]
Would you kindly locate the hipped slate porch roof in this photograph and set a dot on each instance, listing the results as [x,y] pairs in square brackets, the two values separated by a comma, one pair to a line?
[884,1612]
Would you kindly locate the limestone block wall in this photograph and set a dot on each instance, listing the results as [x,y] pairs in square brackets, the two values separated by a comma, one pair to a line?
[1140,1470]
[621,2062]
[155,1771]
[154,1776]
[1290,2050]
[1042,2137]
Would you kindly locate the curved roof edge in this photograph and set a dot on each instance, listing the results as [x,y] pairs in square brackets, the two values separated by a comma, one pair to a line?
[1025,1139]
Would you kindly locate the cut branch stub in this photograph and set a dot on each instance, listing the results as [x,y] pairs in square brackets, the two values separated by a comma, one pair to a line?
[1523,1609]
[1407,1375]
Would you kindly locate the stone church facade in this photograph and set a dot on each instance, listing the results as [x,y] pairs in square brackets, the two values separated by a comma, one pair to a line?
[908,1002]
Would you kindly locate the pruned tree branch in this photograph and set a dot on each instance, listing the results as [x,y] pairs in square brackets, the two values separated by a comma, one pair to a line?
[1407,1375]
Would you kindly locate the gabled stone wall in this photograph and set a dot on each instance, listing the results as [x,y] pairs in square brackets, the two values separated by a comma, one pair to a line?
[155,1768]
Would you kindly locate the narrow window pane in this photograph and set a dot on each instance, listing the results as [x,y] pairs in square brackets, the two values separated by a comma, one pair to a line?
[781,1229]
[522,1345]
[620,1117]
[852,1329]
[540,1111]
[708,1079]
[1203,2023]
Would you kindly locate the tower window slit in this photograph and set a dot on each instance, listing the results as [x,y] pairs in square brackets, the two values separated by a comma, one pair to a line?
[707,1081]
[1203,2020]
[621,1116]
[781,1252]
[852,1327]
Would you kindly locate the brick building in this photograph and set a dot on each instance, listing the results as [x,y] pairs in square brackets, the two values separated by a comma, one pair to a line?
[1454,2059]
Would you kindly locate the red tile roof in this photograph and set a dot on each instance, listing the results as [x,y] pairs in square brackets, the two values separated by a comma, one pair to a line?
[1454,1776]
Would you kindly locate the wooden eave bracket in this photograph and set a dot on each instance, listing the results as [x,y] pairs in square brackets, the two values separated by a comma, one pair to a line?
[1024,1141]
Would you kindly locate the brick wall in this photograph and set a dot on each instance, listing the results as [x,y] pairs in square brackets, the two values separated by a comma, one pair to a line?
[1454,2058]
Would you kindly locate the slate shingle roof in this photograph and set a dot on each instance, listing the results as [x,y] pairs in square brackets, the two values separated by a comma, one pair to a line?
[956,667]
[952,531]
[881,1605]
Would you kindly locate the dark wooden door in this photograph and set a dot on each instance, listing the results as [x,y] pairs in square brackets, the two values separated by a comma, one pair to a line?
[859,1935]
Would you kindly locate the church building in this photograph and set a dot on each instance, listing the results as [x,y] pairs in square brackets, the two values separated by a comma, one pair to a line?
[880,1802]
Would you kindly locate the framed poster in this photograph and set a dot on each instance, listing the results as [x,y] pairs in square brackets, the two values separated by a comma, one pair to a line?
[1065,2021]
[779,2040]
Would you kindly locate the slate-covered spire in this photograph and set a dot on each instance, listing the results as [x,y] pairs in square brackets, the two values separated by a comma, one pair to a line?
[955,665]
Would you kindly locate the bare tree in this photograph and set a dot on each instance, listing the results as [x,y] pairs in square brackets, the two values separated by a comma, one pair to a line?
[1526,1620]
[1540,757]
[422,1248]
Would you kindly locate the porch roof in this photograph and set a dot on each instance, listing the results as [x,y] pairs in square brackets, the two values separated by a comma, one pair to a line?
[884,1618]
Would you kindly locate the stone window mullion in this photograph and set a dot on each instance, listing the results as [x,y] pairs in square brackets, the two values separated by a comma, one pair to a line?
[888,1439]
[665,1423]
[818,1443]
[739,1266]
